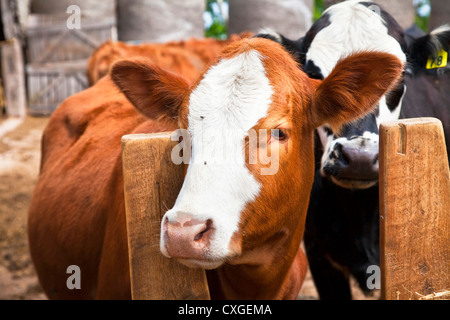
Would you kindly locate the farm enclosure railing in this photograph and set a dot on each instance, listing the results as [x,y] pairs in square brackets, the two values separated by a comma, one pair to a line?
[414,214]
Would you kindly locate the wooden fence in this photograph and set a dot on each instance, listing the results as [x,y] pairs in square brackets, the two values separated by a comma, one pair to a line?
[57,57]
[414,214]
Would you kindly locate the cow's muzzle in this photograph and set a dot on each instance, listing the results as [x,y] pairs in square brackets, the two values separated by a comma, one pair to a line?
[353,165]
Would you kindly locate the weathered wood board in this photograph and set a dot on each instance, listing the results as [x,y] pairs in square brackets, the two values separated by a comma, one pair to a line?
[13,78]
[414,210]
[152,182]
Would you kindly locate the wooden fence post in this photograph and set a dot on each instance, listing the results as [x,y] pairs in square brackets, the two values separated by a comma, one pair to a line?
[151,186]
[414,210]
[13,77]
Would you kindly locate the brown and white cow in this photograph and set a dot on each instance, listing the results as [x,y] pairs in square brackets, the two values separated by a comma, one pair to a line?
[174,59]
[241,225]
[188,57]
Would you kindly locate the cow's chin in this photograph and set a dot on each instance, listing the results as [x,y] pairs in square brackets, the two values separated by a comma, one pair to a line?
[203,264]
[353,184]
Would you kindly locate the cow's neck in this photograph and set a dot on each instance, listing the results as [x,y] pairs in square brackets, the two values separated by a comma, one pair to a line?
[279,278]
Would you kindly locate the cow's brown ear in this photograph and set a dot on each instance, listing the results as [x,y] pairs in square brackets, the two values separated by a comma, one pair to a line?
[353,88]
[155,92]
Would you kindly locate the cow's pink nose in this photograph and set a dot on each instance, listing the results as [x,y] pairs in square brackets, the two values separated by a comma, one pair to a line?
[187,239]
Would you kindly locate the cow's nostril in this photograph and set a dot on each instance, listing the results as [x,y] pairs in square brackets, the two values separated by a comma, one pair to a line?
[208,227]
[375,160]
[344,158]
[341,154]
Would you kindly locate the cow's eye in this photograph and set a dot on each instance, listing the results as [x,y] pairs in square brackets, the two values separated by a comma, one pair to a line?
[279,134]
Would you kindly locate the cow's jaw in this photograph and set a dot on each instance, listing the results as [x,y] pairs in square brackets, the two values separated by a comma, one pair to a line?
[230,99]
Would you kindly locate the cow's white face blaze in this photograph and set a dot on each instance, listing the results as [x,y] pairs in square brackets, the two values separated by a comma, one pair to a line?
[230,99]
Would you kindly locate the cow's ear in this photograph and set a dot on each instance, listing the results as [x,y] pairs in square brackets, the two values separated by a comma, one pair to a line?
[430,51]
[353,88]
[155,92]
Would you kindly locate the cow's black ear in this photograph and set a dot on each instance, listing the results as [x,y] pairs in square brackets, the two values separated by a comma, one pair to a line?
[294,47]
[425,53]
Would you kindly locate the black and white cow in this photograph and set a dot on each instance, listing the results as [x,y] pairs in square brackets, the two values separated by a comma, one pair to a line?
[341,236]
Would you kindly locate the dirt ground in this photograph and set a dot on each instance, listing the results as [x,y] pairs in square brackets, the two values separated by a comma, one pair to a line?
[19,168]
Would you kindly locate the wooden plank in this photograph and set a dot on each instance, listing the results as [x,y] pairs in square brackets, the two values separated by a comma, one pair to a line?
[10,21]
[13,77]
[414,210]
[152,183]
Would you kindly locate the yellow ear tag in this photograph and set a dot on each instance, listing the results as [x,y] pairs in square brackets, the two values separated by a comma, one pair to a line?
[439,61]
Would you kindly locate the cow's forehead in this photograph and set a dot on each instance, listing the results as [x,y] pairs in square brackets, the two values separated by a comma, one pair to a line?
[234,94]
[352,27]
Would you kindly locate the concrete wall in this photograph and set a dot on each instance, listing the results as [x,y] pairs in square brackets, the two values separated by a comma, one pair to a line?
[292,18]
[160,20]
